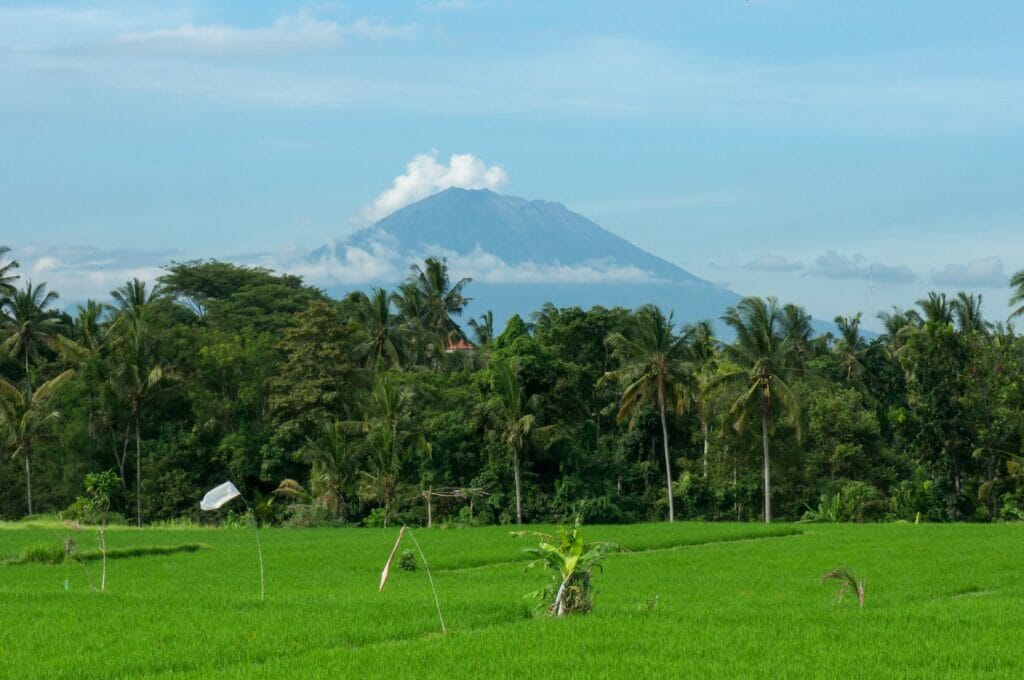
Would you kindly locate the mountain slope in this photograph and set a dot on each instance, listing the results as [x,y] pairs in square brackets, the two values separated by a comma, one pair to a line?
[523,253]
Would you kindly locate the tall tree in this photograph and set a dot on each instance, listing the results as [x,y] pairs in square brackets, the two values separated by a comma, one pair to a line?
[1017,297]
[967,313]
[483,329]
[701,349]
[32,324]
[333,465]
[137,371]
[440,298]
[392,435]
[7,276]
[515,424]
[379,334]
[849,349]
[654,373]
[23,413]
[132,296]
[763,354]
[936,308]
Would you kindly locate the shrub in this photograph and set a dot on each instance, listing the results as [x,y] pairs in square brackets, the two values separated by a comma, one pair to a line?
[407,561]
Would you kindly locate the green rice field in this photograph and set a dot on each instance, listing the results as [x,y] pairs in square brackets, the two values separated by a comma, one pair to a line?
[689,600]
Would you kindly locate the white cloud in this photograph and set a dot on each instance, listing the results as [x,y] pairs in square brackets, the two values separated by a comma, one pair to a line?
[301,31]
[341,264]
[832,265]
[424,176]
[486,267]
[773,263]
[987,271]
[379,262]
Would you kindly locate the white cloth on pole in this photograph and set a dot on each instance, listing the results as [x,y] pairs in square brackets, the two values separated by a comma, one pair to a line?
[218,496]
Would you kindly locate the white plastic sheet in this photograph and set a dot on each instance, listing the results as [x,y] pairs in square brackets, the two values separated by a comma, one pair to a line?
[219,496]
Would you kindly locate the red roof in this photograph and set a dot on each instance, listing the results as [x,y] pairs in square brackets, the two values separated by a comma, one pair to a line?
[459,346]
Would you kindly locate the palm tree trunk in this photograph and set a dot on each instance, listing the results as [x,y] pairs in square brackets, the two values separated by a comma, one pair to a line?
[138,468]
[664,441]
[519,496]
[28,477]
[704,431]
[767,470]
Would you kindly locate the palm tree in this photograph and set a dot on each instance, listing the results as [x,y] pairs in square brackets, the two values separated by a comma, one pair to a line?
[701,348]
[32,324]
[654,371]
[483,330]
[849,348]
[23,413]
[136,372]
[88,327]
[764,354]
[1017,297]
[936,308]
[333,465]
[899,324]
[392,435]
[380,335]
[133,296]
[7,277]
[440,298]
[515,424]
[795,324]
[967,312]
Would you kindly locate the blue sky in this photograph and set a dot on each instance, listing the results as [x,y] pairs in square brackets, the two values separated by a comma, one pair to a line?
[847,156]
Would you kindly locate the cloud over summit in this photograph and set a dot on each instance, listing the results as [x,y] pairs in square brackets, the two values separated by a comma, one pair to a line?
[424,176]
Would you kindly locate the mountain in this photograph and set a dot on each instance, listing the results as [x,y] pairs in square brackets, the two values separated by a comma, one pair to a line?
[520,254]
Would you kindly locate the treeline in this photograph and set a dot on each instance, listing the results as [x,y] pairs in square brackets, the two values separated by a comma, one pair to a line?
[380,406]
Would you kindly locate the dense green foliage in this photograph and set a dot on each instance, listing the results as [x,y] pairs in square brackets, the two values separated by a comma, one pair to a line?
[690,599]
[375,408]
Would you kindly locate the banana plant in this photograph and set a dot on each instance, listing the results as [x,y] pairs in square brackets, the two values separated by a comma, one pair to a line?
[571,561]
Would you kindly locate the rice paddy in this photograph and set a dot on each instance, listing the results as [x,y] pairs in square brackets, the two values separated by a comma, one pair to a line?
[690,599]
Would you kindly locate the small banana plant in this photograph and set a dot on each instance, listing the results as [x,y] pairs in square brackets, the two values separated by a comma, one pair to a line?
[848,584]
[571,562]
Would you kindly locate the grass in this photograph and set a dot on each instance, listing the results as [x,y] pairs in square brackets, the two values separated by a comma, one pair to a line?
[731,600]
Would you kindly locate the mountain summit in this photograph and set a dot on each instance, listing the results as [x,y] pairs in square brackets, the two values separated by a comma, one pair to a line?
[521,254]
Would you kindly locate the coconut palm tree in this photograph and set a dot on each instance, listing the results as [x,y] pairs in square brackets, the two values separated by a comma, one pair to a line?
[483,329]
[32,324]
[380,334]
[7,276]
[702,352]
[392,436]
[654,372]
[763,353]
[332,463]
[440,298]
[1017,297]
[88,328]
[850,348]
[936,309]
[133,296]
[136,372]
[795,324]
[967,312]
[23,413]
[515,425]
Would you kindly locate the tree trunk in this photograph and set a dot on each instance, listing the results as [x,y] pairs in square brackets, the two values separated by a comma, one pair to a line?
[430,514]
[28,477]
[519,497]
[664,441]
[767,470]
[138,468]
[704,431]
